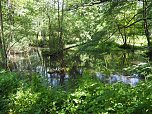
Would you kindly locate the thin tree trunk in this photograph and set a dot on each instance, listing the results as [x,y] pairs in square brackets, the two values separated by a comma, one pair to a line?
[125,35]
[146,23]
[120,32]
[37,43]
[10,23]
[61,35]
[125,38]
[51,44]
[10,18]
[61,26]
[2,41]
[147,33]
[59,23]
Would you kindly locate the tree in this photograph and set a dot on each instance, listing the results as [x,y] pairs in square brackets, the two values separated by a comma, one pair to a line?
[2,40]
[146,28]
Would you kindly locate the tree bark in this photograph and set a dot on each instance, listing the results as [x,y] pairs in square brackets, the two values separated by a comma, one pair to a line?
[146,23]
[146,30]
[2,40]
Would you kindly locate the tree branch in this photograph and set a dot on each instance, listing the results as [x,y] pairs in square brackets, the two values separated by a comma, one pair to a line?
[139,13]
[58,51]
[107,38]
[13,45]
[135,22]
[76,6]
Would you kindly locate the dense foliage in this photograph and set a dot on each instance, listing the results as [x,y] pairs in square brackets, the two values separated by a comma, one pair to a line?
[143,70]
[25,96]
[57,24]
[75,37]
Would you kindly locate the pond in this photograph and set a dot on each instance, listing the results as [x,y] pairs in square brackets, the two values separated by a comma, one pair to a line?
[108,67]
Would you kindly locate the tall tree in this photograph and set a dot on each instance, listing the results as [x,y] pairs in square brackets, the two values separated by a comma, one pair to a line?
[146,28]
[2,40]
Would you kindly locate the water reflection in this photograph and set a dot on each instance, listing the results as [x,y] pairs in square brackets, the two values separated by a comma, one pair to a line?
[54,79]
[132,80]
[115,61]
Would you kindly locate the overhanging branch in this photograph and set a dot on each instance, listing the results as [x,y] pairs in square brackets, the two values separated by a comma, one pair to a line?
[135,23]
[76,6]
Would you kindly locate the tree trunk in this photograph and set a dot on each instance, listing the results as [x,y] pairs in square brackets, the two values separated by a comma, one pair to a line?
[10,18]
[146,23]
[147,33]
[61,35]
[125,38]
[2,41]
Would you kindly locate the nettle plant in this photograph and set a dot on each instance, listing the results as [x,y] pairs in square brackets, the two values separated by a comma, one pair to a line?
[143,70]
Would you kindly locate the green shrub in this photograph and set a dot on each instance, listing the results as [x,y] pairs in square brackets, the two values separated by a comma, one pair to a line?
[143,70]
[89,96]
[8,85]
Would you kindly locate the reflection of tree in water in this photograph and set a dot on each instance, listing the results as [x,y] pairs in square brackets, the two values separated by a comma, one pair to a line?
[62,76]
[55,74]
[124,58]
[74,73]
[127,58]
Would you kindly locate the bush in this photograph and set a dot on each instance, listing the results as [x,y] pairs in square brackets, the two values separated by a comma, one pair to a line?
[8,85]
[142,69]
[116,98]
[90,96]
